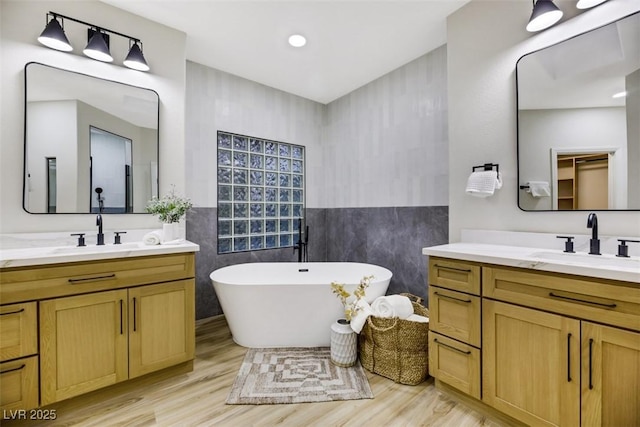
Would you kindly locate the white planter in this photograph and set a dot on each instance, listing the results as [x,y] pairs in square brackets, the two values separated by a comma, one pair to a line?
[344,344]
[170,231]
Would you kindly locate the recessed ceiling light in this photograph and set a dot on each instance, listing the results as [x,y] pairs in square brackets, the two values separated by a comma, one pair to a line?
[297,40]
[620,94]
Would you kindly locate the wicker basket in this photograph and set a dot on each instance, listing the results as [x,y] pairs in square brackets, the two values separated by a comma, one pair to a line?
[396,349]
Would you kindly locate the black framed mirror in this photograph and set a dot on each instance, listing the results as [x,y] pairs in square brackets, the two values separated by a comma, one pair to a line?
[91,145]
[579,121]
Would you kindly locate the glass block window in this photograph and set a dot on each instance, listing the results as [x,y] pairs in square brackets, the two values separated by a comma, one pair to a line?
[260,193]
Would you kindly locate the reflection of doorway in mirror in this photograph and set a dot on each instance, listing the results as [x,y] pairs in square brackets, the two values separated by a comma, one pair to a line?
[588,178]
[110,171]
[583,181]
[52,185]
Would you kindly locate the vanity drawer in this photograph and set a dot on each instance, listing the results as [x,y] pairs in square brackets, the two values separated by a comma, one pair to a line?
[455,363]
[50,281]
[611,302]
[457,275]
[19,384]
[18,330]
[455,315]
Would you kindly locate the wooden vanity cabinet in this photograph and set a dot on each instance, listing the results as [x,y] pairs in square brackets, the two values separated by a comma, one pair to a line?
[531,365]
[454,324]
[18,330]
[161,326]
[556,349]
[542,335]
[83,344]
[610,376]
[18,356]
[100,323]
[19,384]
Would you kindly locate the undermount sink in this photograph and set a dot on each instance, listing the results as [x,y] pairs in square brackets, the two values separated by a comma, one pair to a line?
[95,248]
[590,260]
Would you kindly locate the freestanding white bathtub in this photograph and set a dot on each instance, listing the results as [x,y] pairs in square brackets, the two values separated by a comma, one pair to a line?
[286,304]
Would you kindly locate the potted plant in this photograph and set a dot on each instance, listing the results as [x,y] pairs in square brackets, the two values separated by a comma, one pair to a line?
[170,209]
[344,341]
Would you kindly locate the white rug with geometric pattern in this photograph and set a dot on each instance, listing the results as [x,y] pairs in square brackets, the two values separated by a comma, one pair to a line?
[296,375]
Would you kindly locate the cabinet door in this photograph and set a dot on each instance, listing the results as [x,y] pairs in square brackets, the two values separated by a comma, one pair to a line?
[610,376]
[455,315]
[83,344]
[162,326]
[18,330]
[19,384]
[455,363]
[531,364]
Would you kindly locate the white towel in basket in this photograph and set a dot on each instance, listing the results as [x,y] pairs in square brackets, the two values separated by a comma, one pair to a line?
[363,313]
[418,318]
[392,306]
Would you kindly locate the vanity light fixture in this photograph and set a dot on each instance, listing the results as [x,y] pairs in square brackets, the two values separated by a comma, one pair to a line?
[135,58]
[97,48]
[586,4]
[544,15]
[297,40]
[53,35]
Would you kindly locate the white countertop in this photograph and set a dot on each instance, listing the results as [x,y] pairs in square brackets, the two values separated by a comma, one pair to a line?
[60,254]
[604,266]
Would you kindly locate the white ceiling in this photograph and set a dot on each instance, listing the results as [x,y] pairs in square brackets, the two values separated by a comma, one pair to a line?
[349,42]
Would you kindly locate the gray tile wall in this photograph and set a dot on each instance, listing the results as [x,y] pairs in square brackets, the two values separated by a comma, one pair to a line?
[389,237]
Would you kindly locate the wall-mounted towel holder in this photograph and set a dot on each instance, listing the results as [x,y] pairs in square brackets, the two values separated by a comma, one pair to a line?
[525,187]
[487,167]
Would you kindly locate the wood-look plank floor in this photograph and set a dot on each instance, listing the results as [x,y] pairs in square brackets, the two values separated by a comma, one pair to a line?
[197,399]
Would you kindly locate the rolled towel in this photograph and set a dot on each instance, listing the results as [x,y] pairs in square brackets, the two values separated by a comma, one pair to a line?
[392,306]
[152,238]
[417,318]
[363,313]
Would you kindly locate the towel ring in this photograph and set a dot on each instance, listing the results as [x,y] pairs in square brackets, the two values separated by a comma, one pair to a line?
[487,167]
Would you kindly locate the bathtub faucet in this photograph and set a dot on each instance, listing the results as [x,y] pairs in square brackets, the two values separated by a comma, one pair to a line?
[301,246]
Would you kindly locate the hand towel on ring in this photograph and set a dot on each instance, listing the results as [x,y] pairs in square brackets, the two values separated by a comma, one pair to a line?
[484,183]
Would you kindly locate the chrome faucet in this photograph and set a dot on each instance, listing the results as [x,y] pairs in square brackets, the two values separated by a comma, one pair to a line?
[594,243]
[100,235]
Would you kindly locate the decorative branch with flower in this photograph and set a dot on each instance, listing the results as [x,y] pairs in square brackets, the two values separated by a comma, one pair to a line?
[350,303]
[170,208]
